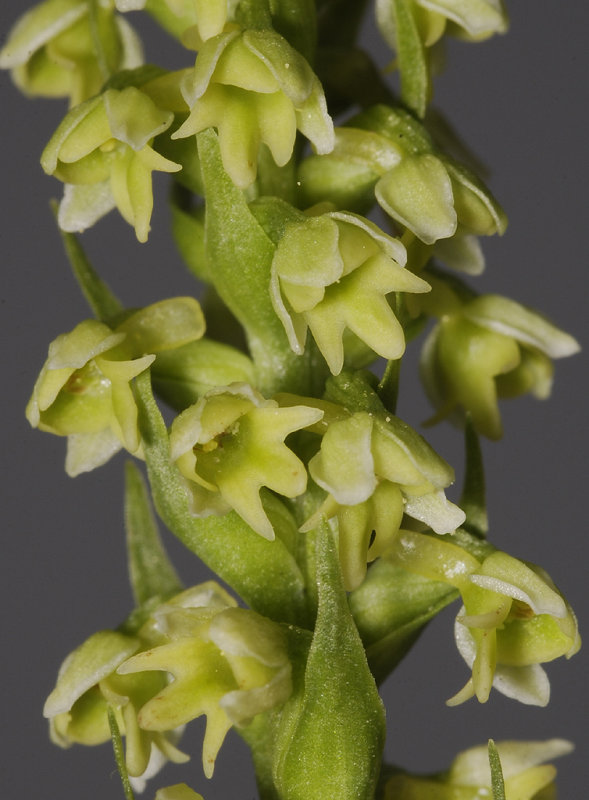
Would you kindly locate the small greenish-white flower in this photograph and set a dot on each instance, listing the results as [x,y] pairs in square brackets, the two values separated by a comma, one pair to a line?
[87,685]
[228,663]
[413,28]
[513,618]
[375,468]
[231,444]
[468,19]
[387,152]
[333,272]
[490,347]
[103,153]
[255,89]
[69,48]
[525,772]
[84,389]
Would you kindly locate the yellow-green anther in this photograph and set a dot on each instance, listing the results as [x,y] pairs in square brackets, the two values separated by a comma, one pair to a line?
[334,272]
[103,152]
[513,618]
[469,778]
[489,348]
[227,663]
[372,478]
[231,444]
[57,49]
[255,89]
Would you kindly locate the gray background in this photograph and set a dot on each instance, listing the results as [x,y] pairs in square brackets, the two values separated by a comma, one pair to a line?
[521,102]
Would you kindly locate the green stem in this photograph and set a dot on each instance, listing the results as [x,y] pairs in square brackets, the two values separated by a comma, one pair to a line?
[104,304]
[473,501]
[117,746]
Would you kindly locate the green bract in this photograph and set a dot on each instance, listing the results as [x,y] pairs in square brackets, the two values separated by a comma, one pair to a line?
[469,777]
[228,663]
[255,89]
[84,391]
[491,347]
[333,272]
[87,685]
[513,617]
[375,469]
[103,152]
[52,50]
[230,444]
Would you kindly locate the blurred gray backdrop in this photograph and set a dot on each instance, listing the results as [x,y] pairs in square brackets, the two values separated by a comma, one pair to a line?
[521,102]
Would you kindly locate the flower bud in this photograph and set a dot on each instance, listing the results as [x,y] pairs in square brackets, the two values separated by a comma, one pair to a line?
[227,663]
[230,444]
[375,469]
[469,777]
[52,51]
[513,618]
[491,347]
[183,375]
[387,150]
[103,152]
[84,389]
[333,272]
[255,89]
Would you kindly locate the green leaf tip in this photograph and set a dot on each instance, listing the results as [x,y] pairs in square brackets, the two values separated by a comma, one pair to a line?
[117,746]
[497,782]
[151,573]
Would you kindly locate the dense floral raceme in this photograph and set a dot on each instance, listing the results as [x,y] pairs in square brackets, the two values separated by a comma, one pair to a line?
[330,220]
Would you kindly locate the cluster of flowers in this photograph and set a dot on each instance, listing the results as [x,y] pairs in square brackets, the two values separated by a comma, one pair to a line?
[335,277]
[198,653]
